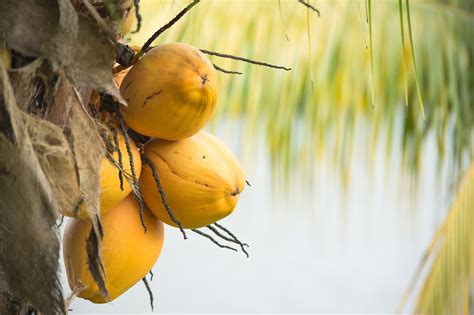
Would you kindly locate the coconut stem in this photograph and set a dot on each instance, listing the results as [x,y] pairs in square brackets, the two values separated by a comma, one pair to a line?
[153,37]
[136,3]
[150,293]
[120,162]
[230,233]
[255,62]
[212,239]
[232,240]
[125,57]
[136,189]
[224,70]
[308,5]
[162,194]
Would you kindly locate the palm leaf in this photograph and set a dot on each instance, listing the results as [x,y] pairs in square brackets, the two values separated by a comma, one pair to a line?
[402,35]
[417,84]
[371,48]
[447,287]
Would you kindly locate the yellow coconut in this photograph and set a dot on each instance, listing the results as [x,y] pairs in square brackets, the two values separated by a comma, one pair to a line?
[200,176]
[110,192]
[128,253]
[171,92]
[127,20]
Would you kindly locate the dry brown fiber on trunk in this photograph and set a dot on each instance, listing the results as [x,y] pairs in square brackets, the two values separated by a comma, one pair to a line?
[50,145]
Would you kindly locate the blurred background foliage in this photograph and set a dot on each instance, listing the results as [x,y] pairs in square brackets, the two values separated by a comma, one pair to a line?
[315,108]
[447,288]
[318,107]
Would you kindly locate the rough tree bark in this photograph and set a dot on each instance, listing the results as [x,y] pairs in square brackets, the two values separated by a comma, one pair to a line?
[50,144]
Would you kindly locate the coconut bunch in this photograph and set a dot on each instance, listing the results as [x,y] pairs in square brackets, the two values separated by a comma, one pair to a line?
[110,136]
[160,167]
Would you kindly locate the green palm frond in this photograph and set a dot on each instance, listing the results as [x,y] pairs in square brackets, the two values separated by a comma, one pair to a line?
[371,49]
[412,46]
[447,288]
